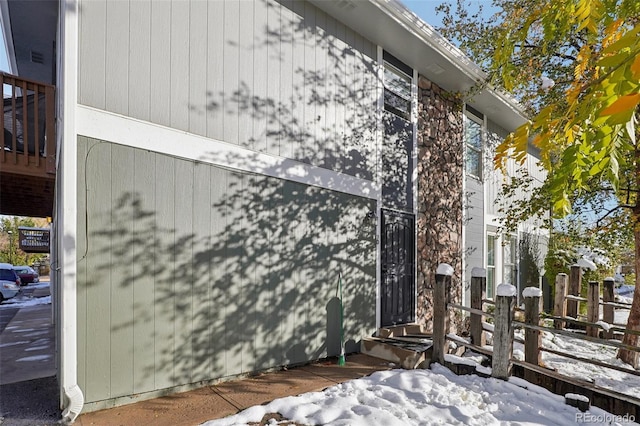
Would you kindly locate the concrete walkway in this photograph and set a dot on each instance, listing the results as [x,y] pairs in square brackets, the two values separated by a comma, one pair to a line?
[227,398]
[27,343]
[29,389]
[28,386]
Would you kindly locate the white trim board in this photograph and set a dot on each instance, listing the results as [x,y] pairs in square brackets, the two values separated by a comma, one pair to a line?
[128,131]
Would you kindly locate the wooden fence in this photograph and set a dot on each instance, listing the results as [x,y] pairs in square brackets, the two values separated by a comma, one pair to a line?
[531,320]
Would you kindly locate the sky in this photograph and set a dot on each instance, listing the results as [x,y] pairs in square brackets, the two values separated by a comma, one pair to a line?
[4,64]
[426,9]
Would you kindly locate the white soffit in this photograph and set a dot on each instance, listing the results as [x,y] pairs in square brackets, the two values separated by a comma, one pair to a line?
[391,25]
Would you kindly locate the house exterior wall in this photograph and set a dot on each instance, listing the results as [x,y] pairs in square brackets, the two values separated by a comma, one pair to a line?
[474,229]
[439,174]
[279,77]
[199,263]
[189,272]
[532,239]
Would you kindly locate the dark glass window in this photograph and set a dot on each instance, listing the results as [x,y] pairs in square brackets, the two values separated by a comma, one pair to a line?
[491,265]
[397,91]
[7,275]
[473,143]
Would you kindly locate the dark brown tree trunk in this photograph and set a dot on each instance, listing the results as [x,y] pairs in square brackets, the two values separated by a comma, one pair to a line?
[628,356]
[632,357]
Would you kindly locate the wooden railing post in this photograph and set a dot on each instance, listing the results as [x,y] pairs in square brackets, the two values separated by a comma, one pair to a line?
[593,307]
[50,129]
[560,305]
[532,338]
[440,315]
[608,311]
[575,283]
[503,332]
[478,286]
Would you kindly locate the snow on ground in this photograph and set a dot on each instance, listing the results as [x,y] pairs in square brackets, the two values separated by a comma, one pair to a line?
[22,301]
[41,284]
[600,376]
[438,396]
[426,397]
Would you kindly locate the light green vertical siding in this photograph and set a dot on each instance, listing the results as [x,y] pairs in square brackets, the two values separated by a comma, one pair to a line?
[139,99]
[121,276]
[215,69]
[179,66]
[215,261]
[197,88]
[194,272]
[183,276]
[117,48]
[97,344]
[144,268]
[201,302]
[160,56]
[164,269]
[273,76]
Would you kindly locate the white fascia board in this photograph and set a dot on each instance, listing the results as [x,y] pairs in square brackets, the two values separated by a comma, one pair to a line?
[140,134]
[430,37]
[452,54]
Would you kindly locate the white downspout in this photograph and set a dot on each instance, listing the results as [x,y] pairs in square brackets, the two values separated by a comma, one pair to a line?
[72,399]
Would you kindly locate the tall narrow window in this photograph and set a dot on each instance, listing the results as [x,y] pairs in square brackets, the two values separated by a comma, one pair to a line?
[491,265]
[510,272]
[397,86]
[473,143]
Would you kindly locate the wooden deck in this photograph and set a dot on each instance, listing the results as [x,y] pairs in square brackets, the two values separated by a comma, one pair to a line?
[28,142]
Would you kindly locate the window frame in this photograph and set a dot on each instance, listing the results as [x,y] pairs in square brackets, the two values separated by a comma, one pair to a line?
[390,67]
[470,115]
[510,263]
[491,284]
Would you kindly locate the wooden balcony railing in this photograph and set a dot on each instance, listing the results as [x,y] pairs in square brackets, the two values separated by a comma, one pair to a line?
[28,141]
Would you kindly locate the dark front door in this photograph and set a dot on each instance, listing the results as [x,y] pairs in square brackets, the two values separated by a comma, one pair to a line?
[398,259]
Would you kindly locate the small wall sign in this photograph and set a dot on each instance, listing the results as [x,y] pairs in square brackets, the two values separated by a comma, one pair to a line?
[33,240]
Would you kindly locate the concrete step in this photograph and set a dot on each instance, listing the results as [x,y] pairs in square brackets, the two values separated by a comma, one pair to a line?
[407,346]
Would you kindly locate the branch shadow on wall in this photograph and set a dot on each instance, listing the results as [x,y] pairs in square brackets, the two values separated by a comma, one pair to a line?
[195,272]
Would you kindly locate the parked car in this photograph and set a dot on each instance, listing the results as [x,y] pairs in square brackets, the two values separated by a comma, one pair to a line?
[9,282]
[27,274]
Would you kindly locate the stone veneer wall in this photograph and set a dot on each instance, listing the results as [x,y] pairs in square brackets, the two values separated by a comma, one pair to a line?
[439,224]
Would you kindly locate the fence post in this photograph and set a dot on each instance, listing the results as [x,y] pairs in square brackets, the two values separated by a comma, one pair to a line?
[440,316]
[532,338]
[575,283]
[593,307]
[608,311]
[560,305]
[478,286]
[503,332]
